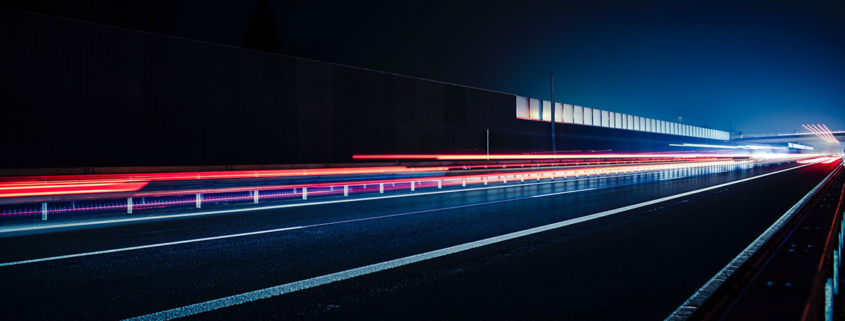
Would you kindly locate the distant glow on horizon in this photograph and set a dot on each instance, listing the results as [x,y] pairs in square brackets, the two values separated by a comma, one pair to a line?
[755,147]
[822,132]
[799,146]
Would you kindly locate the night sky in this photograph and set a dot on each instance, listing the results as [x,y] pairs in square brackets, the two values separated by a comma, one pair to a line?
[764,65]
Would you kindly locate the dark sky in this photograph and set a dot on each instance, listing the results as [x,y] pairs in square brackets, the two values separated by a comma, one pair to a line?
[764,65]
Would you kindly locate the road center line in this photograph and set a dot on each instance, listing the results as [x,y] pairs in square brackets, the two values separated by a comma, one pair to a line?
[278,290]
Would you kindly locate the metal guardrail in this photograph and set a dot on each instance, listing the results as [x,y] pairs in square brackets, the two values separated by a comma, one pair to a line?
[793,274]
[137,203]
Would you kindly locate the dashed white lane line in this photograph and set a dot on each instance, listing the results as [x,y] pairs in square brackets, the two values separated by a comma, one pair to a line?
[149,246]
[278,290]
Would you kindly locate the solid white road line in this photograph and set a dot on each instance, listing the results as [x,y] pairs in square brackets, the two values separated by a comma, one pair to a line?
[53,258]
[265,293]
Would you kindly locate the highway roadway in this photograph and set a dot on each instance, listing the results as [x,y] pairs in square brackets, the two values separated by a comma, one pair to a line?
[592,249]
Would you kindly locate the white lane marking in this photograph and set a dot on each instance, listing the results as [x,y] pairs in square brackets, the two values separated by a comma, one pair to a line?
[53,258]
[567,192]
[278,290]
[686,309]
[61,257]
[163,217]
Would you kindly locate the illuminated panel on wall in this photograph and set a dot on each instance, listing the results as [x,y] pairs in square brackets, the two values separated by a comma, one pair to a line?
[558,112]
[605,118]
[579,114]
[547,110]
[567,113]
[534,109]
[521,107]
[596,117]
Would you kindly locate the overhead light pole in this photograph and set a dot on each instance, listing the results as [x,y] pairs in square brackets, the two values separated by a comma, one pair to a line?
[552,81]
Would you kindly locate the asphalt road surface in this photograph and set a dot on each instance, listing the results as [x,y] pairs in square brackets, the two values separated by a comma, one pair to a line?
[639,263]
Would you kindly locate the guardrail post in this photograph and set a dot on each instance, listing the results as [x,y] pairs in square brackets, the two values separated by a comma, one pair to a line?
[381,188]
[129,205]
[522,178]
[505,180]
[44,211]
[553,176]
[828,300]
[463,182]
[412,186]
[199,200]
[538,177]
[305,193]
[255,197]
[835,272]
[485,180]
[345,190]
[439,183]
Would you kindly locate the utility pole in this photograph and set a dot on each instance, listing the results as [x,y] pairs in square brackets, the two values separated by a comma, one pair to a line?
[554,146]
[488,144]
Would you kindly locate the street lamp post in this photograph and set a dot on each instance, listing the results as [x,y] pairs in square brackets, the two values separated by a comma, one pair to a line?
[552,106]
